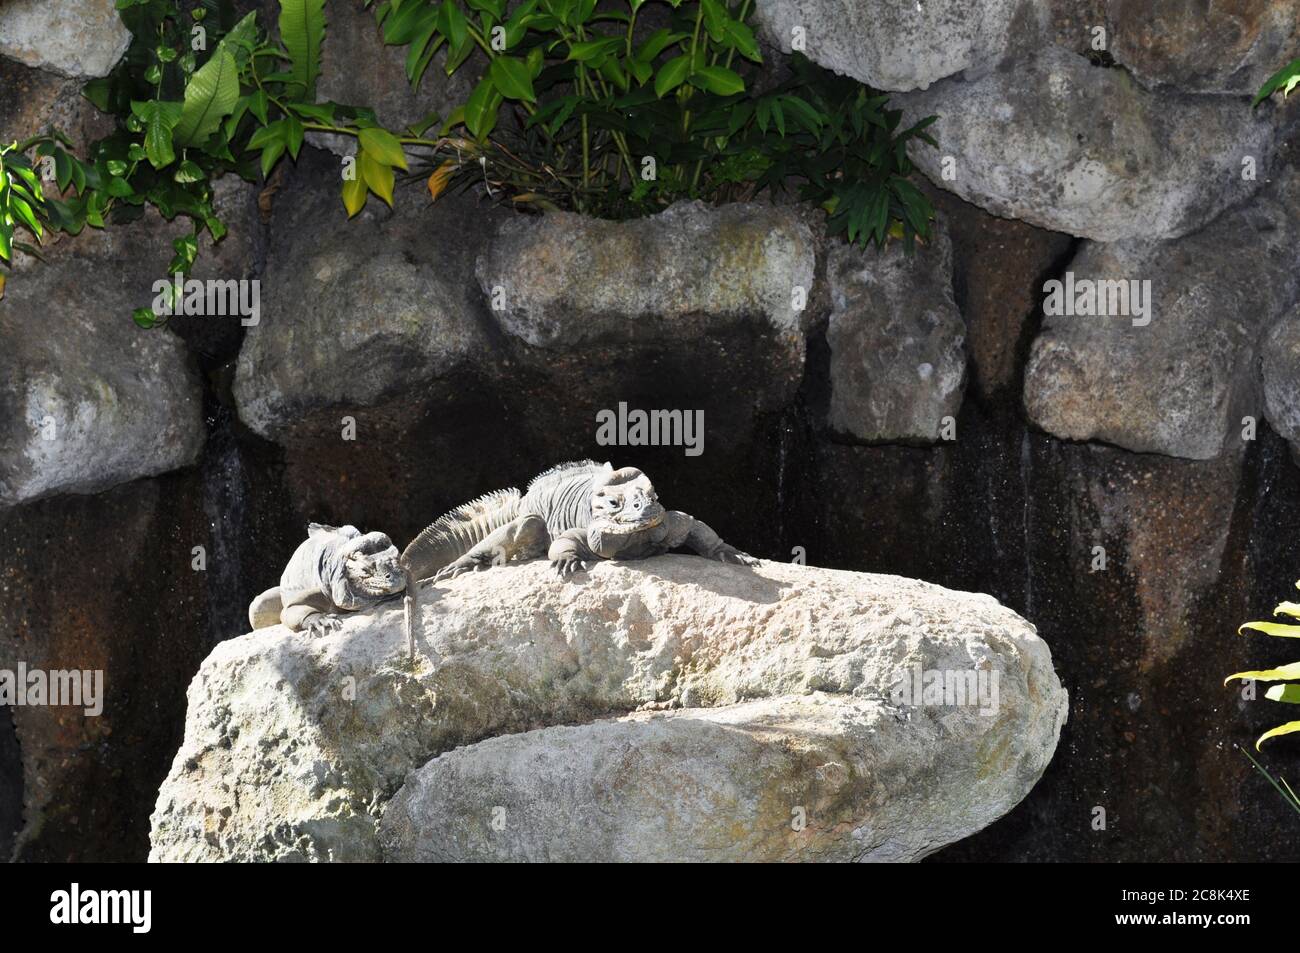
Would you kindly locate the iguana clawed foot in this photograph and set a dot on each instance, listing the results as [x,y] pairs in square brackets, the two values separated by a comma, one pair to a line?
[467,563]
[729,554]
[566,566]
[322,624]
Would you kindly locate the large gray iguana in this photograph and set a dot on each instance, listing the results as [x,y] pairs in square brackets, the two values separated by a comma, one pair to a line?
[337,569]
[573,513]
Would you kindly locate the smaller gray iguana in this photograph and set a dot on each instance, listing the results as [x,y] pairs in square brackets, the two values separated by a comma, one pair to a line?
[574,513]
[337,569]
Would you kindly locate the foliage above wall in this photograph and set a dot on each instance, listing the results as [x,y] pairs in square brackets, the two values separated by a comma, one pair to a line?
[602,111]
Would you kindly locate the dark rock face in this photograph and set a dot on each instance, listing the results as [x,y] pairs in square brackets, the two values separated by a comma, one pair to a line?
[1204,47]
[11,784]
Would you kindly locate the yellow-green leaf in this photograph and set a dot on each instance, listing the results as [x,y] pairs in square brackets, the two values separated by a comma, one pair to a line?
[1289,728]
[1288,608]
[378,176]
[1280,674]
[354,192]
[384,146]
[1284,693]
[1274,628]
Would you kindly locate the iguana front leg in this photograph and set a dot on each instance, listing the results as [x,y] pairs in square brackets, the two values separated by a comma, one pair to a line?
[569,553]
[308,609]
[686,530]
[522,538]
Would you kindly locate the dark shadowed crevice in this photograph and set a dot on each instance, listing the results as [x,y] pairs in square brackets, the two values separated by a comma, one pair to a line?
[11,783]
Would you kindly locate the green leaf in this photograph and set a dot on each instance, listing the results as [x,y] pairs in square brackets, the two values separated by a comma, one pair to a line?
[589,51]
[293,134]
[1289,728]
[512,79]
[383,145]
[302,30]
[720,80]
[144,317]
[1284,79]
[742,38]
[118,187]
[1273,628]
[1284,693]
[671,75]
[378,176]
[159,119]
[210,96]
[715,19]
[481,109]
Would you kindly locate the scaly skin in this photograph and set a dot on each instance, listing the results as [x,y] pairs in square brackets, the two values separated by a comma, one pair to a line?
[573,514]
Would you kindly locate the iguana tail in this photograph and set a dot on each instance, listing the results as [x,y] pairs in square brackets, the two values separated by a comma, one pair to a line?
[446,540]
[453,535]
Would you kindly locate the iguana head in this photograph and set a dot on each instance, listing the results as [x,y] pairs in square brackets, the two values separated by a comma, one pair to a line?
[363,570]
[375,574]
[624,502]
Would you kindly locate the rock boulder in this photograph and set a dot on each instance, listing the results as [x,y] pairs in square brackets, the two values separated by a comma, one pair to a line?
[673,708]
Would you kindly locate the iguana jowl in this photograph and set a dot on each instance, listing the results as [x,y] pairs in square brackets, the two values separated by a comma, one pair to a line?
[573,513]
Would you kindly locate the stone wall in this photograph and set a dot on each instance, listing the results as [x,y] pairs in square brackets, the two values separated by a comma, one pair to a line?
[827,428]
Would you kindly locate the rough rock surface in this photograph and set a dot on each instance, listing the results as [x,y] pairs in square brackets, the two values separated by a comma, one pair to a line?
[1030,143]
[342,330]
[32,101]
[773,690]
[898,365]
[1204,47]
[87,399]
[357,69]
[1280,368]
[999,265]
[1181,384]
[890,45]
[564,280]
[76,38]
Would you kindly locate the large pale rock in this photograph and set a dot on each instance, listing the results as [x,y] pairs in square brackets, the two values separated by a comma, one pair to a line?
[898,365]
[87,398]
[1065,145]
[891,45]
[761,693]
[1204,47]
[76,38]
[341,331]
[562,280]
[1181,384]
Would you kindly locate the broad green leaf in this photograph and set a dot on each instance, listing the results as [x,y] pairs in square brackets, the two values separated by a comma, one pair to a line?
[383,145]
[512,79]
[742,38]
[378,176]
[671,75]
[1289,728]
[720,80]
[302,31]
[1281,674]
[715,19]
[1274,628]
[1284,693]
[159,119]
[210,96]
